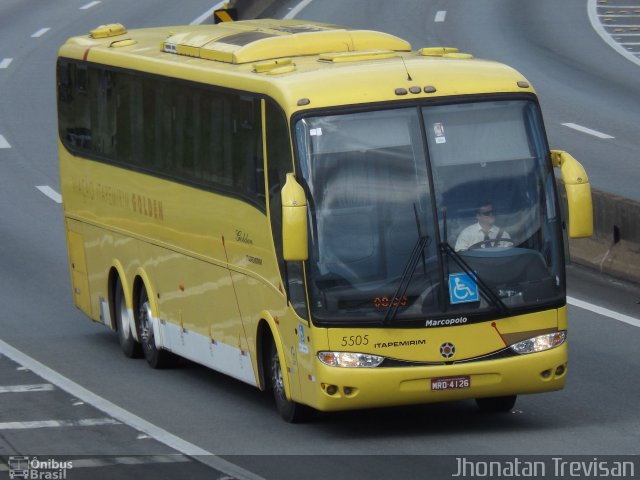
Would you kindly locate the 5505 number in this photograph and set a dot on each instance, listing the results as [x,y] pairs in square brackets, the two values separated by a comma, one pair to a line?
[355,340]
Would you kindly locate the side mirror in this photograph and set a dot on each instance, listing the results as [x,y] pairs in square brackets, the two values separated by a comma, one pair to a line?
[294,221]
[578,194]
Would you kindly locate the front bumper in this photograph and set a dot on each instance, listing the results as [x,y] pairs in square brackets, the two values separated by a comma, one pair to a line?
[355,388]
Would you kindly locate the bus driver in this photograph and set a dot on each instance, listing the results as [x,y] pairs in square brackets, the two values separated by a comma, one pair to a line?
[484,233]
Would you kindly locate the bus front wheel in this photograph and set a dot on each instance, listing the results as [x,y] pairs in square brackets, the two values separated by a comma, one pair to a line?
[289,410]
[496,404]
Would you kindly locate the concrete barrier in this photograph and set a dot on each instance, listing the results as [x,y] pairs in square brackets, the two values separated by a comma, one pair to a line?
[613,249]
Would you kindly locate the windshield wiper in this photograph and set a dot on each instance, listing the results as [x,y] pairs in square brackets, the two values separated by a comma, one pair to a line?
[485,290]
[409,270]
[405,278]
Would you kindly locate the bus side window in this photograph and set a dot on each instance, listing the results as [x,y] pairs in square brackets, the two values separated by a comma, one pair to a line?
[248,170]
[73,106]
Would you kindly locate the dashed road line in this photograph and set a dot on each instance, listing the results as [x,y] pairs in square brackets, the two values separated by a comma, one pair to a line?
[50,192]
[589,131]
[440,16]
[85,422]
[89,5]
[4,143]
[604,311]
[129,460]
[42,387]
[120,415]
[40,32]
[5,62]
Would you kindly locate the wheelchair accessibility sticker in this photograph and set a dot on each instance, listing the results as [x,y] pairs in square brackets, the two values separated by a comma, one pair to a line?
[462,288]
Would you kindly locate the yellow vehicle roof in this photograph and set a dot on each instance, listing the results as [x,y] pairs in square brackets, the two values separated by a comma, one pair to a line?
[302,64]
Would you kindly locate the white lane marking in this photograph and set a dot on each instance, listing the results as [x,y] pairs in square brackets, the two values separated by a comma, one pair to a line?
[89,5]
[129,460]
[440,16]
[85,422]
[51,193]
[589,131]
[5,62]
[42,387]
[604,311]
[40,32]
[297,9]
[592,10]
[206,15]
[126,417]
[4,143]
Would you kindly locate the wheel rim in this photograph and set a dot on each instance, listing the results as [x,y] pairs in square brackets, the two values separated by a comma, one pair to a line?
[276,376]
[146,329]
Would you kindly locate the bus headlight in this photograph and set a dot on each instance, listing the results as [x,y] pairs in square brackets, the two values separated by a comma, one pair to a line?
[350,359]
[540,343]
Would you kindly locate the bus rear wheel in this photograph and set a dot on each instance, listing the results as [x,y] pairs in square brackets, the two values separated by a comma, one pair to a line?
[496,404]
[156,357]
[130,347]
[289,410]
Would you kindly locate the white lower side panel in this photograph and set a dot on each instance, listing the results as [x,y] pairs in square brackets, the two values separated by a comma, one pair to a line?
[201,349]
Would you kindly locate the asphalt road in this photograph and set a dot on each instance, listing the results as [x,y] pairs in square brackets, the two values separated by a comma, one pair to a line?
[192,410]
[579,78]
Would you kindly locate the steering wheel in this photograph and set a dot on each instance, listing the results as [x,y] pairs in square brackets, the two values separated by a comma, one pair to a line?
[494,242]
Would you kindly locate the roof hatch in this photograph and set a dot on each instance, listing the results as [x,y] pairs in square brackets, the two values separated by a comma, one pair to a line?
[244,42]
[110,30]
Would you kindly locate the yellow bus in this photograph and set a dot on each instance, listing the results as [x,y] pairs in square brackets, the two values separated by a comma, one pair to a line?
[318,211]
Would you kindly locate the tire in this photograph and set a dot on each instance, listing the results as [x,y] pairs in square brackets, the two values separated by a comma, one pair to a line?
[289,410]
[129,345]
[156,357]
[496,404]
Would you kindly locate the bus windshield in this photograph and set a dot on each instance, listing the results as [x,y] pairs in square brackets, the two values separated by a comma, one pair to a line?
[471,183]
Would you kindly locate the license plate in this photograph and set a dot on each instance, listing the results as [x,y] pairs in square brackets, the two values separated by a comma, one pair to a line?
[450,383]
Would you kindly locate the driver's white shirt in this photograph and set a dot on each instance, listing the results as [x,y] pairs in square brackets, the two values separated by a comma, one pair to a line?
[475,234]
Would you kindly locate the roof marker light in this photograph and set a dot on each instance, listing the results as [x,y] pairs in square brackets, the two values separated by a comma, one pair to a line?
[303,101]
[415,89]
[401,91]
[523,84]
[430,89]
